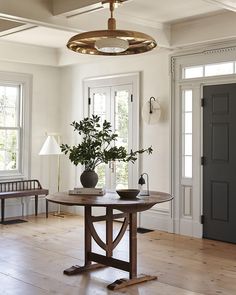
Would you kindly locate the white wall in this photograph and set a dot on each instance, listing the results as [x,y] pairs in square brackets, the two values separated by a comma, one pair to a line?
[57,100]
[45,118]
[154,73]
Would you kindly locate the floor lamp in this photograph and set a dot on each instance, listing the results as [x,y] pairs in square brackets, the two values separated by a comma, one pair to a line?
[51,148]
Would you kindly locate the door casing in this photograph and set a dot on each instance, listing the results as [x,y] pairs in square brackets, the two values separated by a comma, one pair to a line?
[190,225]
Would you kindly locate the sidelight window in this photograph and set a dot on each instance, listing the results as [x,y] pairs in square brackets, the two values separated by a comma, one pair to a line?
[187,133]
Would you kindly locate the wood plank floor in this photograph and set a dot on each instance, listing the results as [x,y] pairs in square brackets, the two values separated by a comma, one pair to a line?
[33,256]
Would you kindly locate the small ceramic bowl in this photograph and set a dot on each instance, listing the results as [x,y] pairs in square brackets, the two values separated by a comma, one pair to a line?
[128,193]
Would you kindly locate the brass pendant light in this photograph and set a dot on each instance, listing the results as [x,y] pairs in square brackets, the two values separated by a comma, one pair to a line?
[111,41]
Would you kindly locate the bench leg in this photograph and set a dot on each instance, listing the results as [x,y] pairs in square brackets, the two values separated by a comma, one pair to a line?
[36,205]
[46,208]
[2,210]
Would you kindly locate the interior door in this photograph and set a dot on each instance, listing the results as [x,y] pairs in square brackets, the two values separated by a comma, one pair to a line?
[219,169]
[113,103]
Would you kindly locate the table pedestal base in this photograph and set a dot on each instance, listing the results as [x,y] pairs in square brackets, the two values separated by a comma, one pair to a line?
[109,245]
[76,269]
[122,283]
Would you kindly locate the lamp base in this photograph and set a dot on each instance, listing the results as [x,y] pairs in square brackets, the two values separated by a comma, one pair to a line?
[144,194]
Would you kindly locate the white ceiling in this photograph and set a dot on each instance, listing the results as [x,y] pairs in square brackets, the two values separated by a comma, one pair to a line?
[167,10]
[148,12]
[41,36]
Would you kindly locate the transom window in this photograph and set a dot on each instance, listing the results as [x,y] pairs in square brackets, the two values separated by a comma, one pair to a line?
[209,70]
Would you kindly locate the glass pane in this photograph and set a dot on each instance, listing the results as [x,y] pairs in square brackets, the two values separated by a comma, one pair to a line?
[188,166]
[121,116]
[121,128]
[219,69]
[188,123]
[9,102]
[188,100]
[188,145]
[193,72]
[10,160]
[9,142]
[2,160]
[101,175]
[121,175]
[99,105]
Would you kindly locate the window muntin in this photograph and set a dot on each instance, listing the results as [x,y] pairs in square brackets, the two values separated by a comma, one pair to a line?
[209,70]
[187,130]
[10,129]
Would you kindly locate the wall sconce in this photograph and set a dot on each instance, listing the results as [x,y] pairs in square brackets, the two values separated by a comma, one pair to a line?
[141,182]
[151,111]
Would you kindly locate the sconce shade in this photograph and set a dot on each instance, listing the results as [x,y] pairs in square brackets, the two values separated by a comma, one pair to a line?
[141,180]
[50,147]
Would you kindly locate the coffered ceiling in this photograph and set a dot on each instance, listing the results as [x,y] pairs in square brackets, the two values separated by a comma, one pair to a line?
[51,22]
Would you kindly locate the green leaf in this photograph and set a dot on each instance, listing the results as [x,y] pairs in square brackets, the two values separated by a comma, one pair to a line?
[98,145]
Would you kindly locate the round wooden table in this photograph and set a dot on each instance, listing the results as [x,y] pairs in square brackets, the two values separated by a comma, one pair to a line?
[129,209]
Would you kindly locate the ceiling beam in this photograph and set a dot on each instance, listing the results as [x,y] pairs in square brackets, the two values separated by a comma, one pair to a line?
[14,29]
[225,4]
[8,25]
[34,12]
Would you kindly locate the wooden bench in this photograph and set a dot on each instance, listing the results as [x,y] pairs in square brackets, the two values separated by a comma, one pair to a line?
[20,189]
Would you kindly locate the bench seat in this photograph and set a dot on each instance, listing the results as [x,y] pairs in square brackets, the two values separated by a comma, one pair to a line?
[20,189]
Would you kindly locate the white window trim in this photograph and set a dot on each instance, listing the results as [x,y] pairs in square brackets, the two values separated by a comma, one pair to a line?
[115,80]
[190,225]
[25,80]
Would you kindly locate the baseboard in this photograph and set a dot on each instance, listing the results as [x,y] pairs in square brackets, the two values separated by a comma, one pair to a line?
[188,227]
[152,219]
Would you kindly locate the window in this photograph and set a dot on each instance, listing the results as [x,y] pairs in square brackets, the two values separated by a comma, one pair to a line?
[193,72]
[187,101]
[116,100]
[112,104]
[10,127]
[209,70]
[219,69]
[14,125]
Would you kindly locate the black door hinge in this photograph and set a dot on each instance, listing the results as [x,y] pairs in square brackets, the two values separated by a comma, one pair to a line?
[131,97]
[202,219]
[202,102]
[89,101]
[202,161]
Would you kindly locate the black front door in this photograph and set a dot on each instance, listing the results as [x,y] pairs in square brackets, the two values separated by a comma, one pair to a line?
[219,170]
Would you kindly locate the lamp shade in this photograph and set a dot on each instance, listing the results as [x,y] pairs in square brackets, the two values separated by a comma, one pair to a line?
[141,180]
[50,147]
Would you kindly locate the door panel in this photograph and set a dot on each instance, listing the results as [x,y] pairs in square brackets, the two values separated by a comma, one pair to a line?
[122,119]
[100,106]
[113,103]
[219,170]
